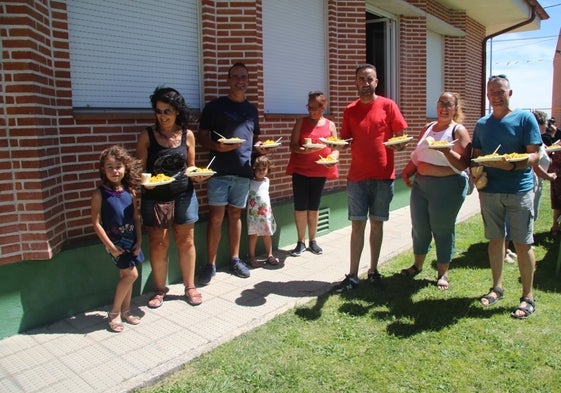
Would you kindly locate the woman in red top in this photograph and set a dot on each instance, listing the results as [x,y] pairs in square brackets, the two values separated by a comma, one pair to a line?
[308,177]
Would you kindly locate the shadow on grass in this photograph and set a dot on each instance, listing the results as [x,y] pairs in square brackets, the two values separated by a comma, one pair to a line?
[545,278]
[405,318]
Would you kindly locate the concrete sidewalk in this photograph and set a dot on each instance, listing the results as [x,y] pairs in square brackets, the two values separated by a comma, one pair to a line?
[79,354]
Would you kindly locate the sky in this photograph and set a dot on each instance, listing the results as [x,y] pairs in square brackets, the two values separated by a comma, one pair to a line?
[527,60]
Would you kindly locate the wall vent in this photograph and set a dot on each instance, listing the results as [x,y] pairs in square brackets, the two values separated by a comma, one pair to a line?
[323,222]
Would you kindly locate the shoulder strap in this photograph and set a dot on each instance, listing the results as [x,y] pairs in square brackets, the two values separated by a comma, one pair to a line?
[454,132]
[427,129]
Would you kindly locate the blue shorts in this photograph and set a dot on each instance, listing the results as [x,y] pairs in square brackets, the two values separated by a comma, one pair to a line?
[228,190]
[369,199]
[185,210]
[519,208]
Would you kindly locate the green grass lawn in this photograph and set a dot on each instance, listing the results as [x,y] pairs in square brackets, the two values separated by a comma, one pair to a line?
[407,337]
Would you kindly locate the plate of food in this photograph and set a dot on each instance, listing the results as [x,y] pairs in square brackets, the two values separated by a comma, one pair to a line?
[515,157]
[397,140]
[268,144]
[334,141]
[158,180]
[193,172]
[327,160]
[441,145]
[489,158]
[231,141]
[314,145]
[553,148]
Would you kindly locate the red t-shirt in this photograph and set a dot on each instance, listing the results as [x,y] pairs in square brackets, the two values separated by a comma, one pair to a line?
[370,125]
[305,164]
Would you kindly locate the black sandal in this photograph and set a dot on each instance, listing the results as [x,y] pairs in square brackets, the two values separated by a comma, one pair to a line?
[527,309]
[499,294]
[411,271]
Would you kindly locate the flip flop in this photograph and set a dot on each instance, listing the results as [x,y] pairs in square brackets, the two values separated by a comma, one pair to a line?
[442,283]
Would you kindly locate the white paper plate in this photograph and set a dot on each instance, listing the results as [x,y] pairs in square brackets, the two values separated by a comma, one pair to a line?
[517,159]
[277,144]
[398,142]
[553,148]
[231,141]
[314,145]
[334,143]
[159,183]
[442,146]
[325,162]
[488,159]
[208,172]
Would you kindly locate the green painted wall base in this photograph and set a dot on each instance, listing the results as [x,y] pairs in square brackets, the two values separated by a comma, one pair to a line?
[35,293]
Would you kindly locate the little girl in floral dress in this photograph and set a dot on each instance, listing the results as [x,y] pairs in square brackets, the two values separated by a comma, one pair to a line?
[260,219]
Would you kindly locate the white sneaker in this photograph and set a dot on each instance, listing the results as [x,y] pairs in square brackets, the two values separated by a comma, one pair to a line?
[508,259]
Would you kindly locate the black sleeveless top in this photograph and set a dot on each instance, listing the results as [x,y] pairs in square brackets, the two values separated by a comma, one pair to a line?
[170,162]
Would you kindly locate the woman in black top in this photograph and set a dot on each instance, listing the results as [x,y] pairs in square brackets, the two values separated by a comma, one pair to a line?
[168,147]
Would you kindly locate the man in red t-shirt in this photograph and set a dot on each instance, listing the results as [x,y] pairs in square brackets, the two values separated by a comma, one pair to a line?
[370,120]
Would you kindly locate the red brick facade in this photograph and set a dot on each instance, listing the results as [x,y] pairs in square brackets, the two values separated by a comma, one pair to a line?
[48,152]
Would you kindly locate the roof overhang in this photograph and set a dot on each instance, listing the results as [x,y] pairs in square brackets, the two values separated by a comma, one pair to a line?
[495,15]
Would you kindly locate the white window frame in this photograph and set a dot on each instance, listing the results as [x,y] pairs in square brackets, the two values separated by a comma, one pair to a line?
[294,53]
[435,71]
[120,51]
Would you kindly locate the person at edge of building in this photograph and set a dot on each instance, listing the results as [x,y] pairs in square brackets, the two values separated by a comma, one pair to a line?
[370,121]
[509,190]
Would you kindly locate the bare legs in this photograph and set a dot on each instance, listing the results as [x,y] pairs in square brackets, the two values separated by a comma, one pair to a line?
[122,298]
[526,266]
[214,231]
[309,219]
[159,245]
[357,244]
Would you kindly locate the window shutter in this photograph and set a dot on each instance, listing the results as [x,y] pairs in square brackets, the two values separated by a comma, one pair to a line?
[120,51]
[294,53]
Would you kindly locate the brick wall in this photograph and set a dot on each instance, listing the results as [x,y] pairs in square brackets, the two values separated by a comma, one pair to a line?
[49,153]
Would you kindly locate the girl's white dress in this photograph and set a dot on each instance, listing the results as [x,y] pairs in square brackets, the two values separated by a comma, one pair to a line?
[260,219]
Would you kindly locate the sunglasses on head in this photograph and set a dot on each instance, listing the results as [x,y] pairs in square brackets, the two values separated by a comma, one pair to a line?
[499,76]
[166,112]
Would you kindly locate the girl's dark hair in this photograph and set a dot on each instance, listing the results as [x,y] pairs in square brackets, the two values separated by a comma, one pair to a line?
[175,99]
[133,167]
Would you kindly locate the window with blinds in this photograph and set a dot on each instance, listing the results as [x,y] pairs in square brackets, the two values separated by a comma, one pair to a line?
[294,53]
[120,51]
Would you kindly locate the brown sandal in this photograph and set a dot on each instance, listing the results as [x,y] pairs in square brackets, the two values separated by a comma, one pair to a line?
[158,299]
[255,263]
[411,271]
[272,260]
[194,297]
